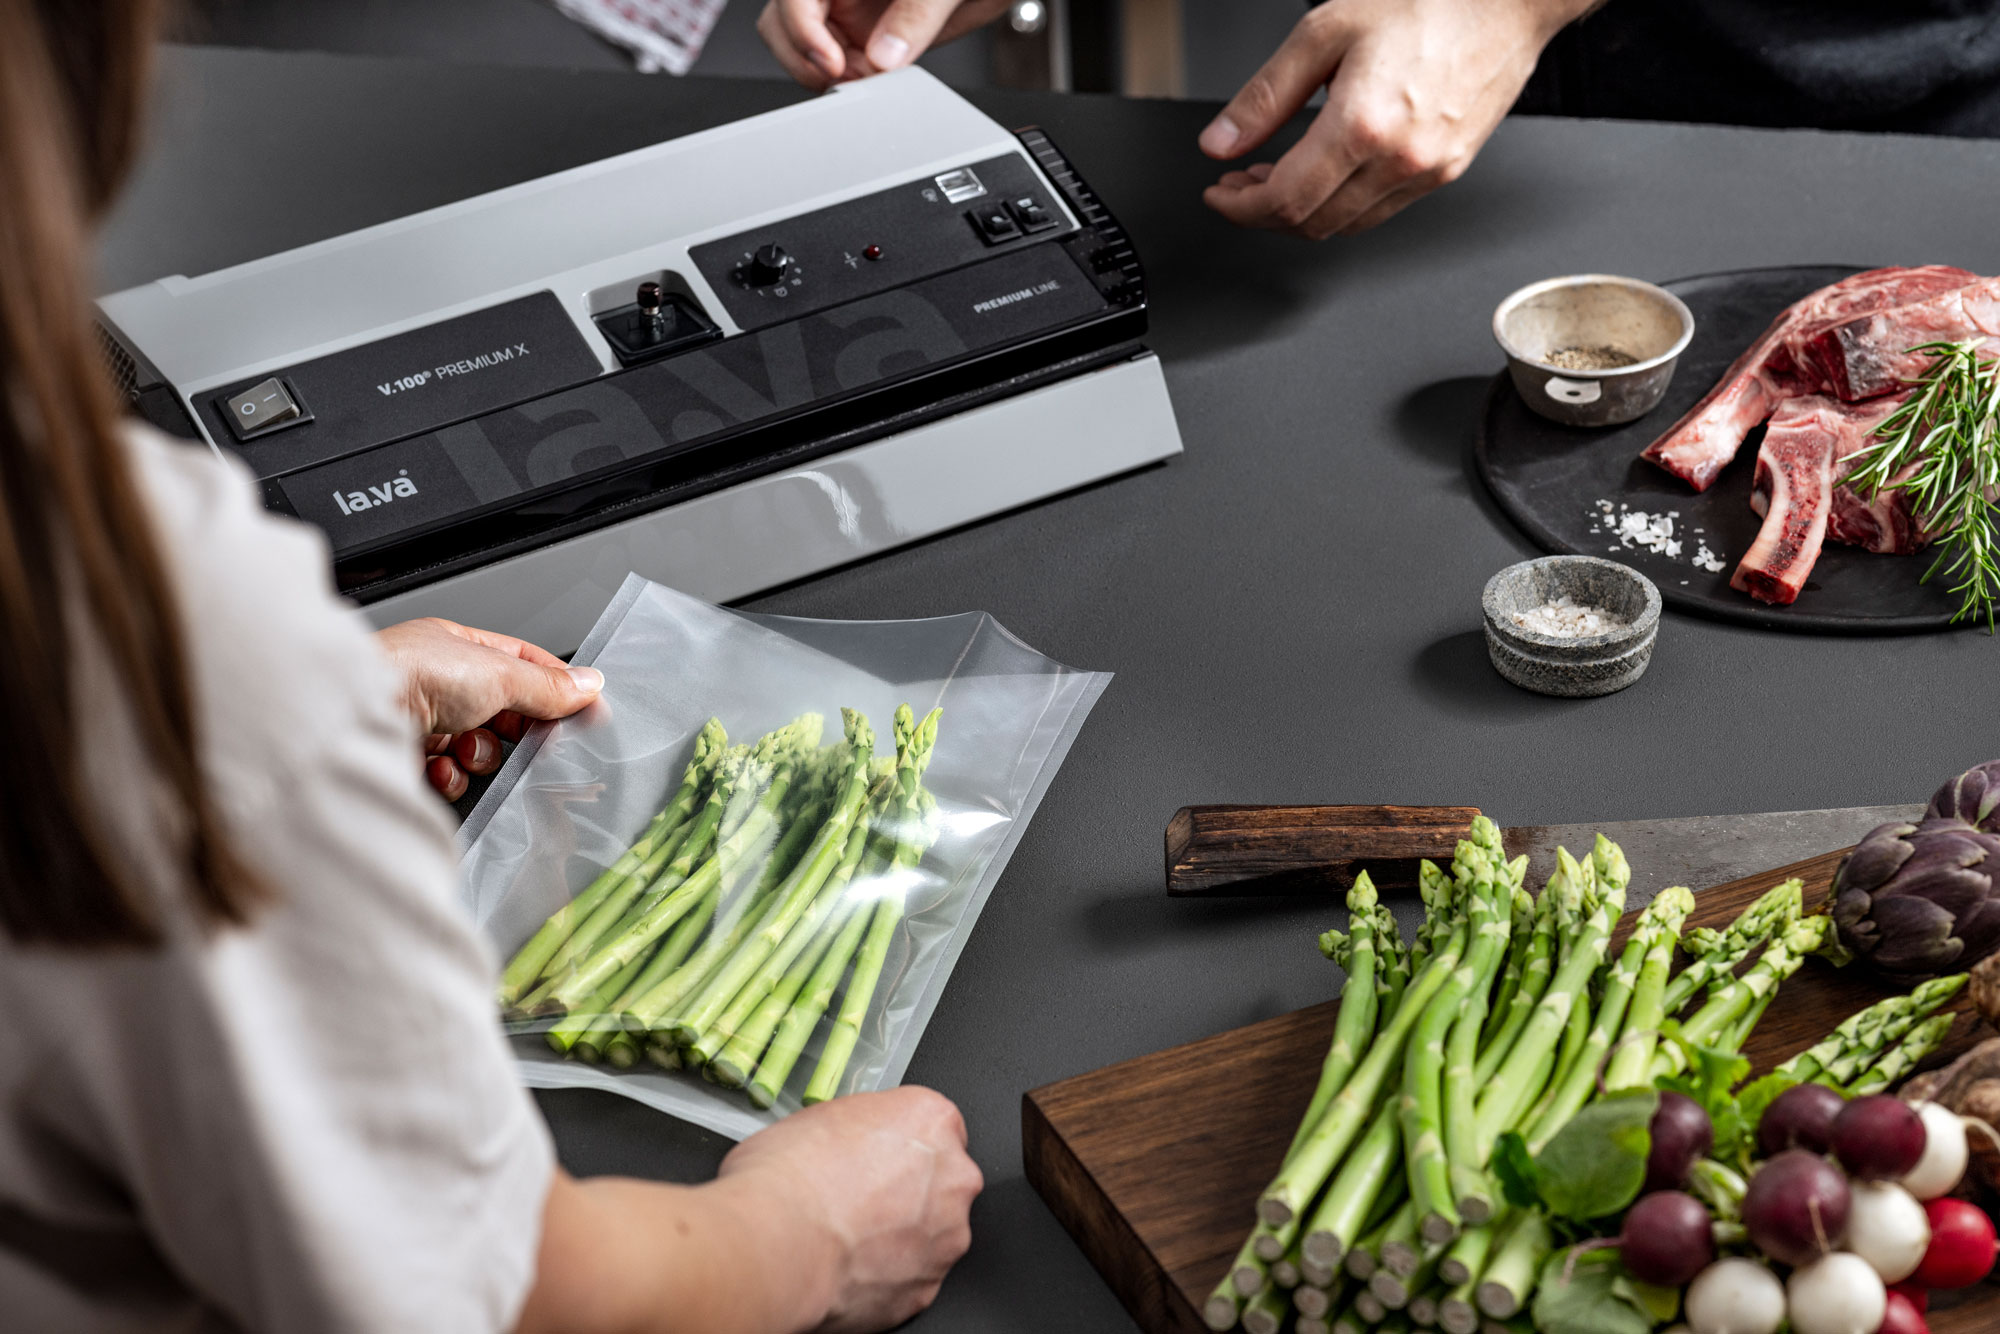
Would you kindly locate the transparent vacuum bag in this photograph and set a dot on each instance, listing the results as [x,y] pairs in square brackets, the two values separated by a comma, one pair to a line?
[777,908]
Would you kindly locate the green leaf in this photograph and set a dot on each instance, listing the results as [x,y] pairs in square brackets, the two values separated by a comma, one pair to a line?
[1589,1299]
[1662,1304]
[1711,1073]
[1595,1165]
[1515,1168]
[1756,1097]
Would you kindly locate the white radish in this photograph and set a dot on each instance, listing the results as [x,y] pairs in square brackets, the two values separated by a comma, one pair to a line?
[1945,1153]
[1887,1228]
[1736,1296]
[1836,1294]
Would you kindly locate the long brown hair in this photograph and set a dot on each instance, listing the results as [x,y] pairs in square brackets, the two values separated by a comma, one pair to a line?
[74,530]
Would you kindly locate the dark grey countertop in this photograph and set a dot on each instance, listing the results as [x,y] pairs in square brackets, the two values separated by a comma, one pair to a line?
[1292,608]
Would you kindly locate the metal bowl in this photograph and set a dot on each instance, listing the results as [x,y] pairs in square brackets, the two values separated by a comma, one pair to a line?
[1572,320]
[1576,666]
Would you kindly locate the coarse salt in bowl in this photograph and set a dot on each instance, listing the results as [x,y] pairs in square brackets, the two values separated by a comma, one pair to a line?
[1573,626]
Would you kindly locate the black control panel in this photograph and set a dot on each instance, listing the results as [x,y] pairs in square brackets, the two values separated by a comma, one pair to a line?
[879,241]
[463,442]
[410,382]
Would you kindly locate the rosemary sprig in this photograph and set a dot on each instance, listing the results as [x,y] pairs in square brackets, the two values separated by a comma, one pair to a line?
[1942,446]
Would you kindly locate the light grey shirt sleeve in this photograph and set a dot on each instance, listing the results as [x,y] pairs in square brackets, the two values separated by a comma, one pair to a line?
[314,1120]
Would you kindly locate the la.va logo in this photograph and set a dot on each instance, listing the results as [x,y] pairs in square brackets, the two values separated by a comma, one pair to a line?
[394,489]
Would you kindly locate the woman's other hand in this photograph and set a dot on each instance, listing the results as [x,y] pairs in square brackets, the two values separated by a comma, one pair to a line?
[824,42]
[1413,90]
[882,1188]
[843,1217]
[469,688]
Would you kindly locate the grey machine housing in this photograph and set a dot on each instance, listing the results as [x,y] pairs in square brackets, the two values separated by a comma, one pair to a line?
[875,316]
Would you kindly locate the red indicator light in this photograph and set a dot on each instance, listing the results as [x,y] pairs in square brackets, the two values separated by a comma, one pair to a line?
[872,252]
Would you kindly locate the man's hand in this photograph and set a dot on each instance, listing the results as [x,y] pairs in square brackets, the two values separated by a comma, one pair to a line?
[823,42]
[1413,89]
[468,688]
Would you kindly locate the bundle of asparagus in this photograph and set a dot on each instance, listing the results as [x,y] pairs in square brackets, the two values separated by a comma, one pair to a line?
[1505,1017]
[718,940]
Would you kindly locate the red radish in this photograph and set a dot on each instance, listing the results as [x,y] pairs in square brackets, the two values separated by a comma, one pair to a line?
[1681,1133]
[1799,1118]
[1914,1292]
[1962,1245]
[1796,1207]
[1667,1239]
[1902,1316]
[1878,1138]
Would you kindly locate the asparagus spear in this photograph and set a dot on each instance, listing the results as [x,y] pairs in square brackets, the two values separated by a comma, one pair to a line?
[1520,932]
[1339,1217]
[1727,1004]
[794,896]
[1522,1075]
[1647,1010]
[913,841]
[1537,967]
[1902,1058]
[1765,919]
[847,1027]
[746,1026]
[1317,1155]
[1661,921]
[527,964]
[671,907]
[1355,1026]
[1517,1259]
[1265,1313]
[738,776]
[1402,1248]
[1464,1179]
[1223,1307]
[1840,1057]
[1466,1260]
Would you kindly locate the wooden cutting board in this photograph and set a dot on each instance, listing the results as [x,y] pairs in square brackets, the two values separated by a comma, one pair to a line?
[1155,1164]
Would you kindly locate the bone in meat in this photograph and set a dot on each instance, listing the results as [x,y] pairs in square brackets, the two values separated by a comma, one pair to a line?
[1700,445]
[1795,482]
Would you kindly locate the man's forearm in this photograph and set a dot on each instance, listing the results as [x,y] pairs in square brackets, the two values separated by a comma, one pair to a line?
[632,1257]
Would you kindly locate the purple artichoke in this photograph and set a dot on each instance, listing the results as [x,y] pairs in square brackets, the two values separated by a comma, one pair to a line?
[1973,796]
[1918,900]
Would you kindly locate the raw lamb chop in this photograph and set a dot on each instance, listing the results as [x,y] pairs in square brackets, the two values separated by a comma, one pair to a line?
[1800,492]
[1702,443]
[1870,354]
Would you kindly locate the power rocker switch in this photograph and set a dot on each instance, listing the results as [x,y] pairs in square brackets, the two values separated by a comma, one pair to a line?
[263,407]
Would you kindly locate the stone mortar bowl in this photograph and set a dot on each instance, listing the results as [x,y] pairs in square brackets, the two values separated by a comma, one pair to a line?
[1592,310]
[1574,666]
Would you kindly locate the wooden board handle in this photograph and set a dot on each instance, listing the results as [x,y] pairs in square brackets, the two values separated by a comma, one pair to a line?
[1216,850]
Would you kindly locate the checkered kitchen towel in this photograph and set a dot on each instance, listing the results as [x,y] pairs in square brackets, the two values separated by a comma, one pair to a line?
[660,34]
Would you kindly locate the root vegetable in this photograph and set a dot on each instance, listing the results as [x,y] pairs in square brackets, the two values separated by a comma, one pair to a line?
[1681,1133]
[1668,1238]
[1942,1166]
[1796,1207]
[1900,1315]
[1962,1245]
[1799,1118]
[1735,1296]
[1836,1294]
[1887,1228]
[1878,1138]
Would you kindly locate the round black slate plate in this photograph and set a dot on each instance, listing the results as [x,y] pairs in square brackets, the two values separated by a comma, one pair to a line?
[1549,479]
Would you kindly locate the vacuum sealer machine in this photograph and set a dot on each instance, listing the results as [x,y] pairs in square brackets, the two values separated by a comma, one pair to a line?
[726,361]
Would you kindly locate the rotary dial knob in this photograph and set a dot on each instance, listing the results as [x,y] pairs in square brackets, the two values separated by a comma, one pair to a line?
[766,266]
